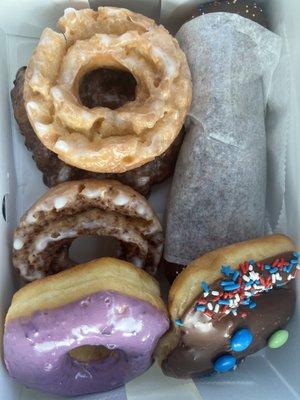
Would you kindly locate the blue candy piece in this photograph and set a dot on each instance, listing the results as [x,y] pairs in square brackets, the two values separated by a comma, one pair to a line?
[235,275]
[178,322]
[241,340]
[200,308]
[246,302]
[227,283]
[224,302]
[225,363]
[226,270]
[229,288]
[296,254]
[205,286]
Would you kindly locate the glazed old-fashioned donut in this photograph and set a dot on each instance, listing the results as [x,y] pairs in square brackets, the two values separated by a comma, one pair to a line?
[87,207]
[92,91]
[225,306]
[102,139]
[89,329]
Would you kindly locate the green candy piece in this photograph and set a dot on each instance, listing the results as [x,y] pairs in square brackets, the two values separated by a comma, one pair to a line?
[278,339]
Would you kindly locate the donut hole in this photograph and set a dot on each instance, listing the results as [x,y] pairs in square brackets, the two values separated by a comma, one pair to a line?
[106,87]
[90,247]
[88,353]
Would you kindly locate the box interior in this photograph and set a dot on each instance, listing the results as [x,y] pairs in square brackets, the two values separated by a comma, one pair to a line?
[267,374]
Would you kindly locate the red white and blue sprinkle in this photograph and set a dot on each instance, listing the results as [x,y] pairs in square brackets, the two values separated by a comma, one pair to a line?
[240,287]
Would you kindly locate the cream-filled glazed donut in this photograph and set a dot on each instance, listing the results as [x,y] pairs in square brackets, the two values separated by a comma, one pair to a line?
[101,139]
[54,324]
[86,207]
[228,304]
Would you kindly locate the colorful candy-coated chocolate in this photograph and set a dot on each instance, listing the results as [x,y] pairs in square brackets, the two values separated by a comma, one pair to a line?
[225,363]
[278,339]
[241,340]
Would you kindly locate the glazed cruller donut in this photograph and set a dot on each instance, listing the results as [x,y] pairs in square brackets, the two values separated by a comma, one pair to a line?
[101,139]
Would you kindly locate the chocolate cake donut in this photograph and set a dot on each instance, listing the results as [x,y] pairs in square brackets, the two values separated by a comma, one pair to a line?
[225,306]
[103,87]
[80,208]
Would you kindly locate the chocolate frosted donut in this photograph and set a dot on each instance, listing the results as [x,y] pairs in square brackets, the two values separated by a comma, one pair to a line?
[225,307]
[245,8]
[86,207]
[95,90]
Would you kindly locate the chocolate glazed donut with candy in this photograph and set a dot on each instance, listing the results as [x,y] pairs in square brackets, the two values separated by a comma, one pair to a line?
[86,330]
[228,304]
[87,207]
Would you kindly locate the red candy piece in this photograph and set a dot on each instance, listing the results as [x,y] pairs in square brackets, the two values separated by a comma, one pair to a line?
[244,267]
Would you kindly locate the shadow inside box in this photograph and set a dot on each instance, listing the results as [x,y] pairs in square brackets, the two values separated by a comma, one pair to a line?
[150,8]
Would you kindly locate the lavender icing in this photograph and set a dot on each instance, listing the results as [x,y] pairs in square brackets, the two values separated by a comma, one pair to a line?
[36,348]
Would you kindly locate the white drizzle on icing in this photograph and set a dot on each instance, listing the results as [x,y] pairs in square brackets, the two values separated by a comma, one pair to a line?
[140,209]
[18,244]
[91,194]
[60,202]
[121,199]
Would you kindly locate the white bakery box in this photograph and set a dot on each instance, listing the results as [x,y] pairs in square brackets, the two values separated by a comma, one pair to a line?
[269,374]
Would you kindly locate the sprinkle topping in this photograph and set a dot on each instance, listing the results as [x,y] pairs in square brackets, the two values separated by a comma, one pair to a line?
[239,287]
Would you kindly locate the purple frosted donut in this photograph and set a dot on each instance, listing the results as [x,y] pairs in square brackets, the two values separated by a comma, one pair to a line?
[86,330]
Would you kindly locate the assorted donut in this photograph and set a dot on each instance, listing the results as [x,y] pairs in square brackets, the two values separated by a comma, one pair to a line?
[102,105]
[227,304]
[89,329]
[81,208]
[101,139]
[56,171]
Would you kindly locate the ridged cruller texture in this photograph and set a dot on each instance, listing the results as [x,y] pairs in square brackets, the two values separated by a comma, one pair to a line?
[86,207]
[101,139]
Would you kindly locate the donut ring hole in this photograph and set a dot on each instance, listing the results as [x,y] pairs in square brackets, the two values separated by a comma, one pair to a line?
[107,87]
[89,247]
[89,353]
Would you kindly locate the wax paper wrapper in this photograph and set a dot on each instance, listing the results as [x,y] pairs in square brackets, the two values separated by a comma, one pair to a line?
[218,194]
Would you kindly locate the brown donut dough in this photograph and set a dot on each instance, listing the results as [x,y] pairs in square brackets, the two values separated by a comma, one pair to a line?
[186,289]
[80,208]
[56,171]
[85,279]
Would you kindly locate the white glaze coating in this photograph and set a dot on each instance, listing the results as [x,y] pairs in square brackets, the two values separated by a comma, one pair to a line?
[60,202]
[18,244]
[121,199]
